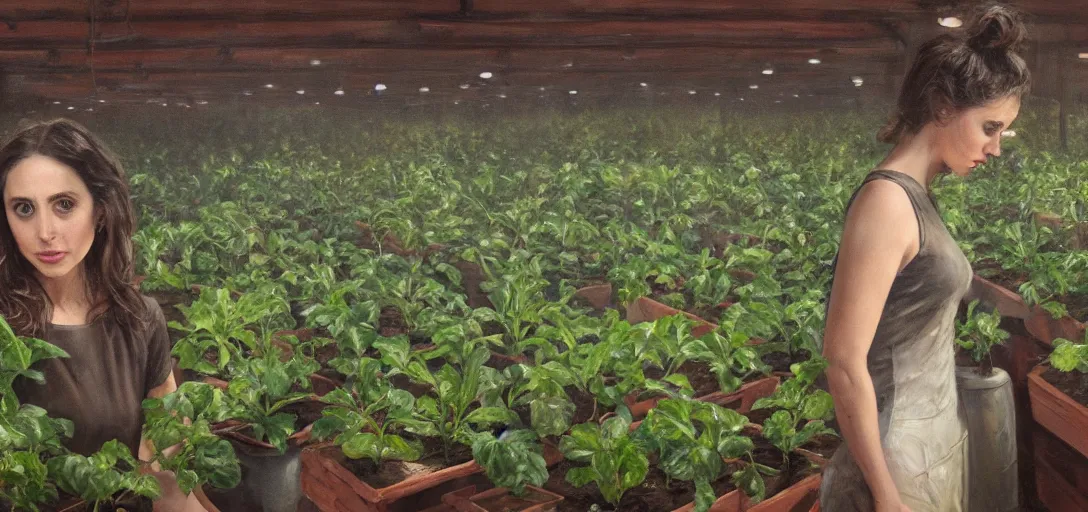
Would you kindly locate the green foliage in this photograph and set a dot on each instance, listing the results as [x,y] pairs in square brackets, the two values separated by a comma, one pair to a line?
[980,333]
[1069,356]
[615,461]
[512,461]
[104,475]
[182,421]
[797,402]
[366,420]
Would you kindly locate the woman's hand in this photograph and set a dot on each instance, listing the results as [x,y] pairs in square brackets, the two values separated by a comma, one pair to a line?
[172,499]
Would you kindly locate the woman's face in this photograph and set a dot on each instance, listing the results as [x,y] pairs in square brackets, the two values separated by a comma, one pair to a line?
[968,139]
[51,214]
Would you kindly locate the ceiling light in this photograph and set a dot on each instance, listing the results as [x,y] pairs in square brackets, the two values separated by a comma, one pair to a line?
[814,61]
[768,71]
[778,101]
[796,95]
[456,102]
[56,103]
[101,101]
[89,109]
[339,92]
[247,93]
[541,89]
[950,22]
[464,87]
[742,99]
[71,108]
[317,103]
[269,86]
[717,94]
[1008,133]
[857,81]
[300,91]
[572,93]
[486,75]
[691,92]
[1083,55]
[643,84]
[379,87]
[201,102]
[315,62]
[503,96]
[568,65]
[166,104]
[753,86]
[424,89]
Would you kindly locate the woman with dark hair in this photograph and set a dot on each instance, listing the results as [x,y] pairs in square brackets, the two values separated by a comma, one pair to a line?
[899,279]
[66,271]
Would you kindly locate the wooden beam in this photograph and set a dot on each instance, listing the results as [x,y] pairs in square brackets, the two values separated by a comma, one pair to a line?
[110,36]
[463,61]
[237,10]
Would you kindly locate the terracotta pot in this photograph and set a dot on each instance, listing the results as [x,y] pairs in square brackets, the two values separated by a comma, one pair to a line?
[1061,474]
[599,295]
[468,500]
[1004,301]
[333,488]
[647,310]
[1057,412]
[798,498]
[1045,328]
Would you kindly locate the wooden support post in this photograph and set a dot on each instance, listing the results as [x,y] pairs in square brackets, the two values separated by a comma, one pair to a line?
[1065,98]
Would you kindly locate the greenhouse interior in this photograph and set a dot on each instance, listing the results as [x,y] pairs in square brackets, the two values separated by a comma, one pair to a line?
[529,256]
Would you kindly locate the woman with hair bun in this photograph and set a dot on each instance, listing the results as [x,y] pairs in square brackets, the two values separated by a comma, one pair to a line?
[899,278]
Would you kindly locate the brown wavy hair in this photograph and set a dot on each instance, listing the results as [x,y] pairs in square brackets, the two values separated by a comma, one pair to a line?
[109,263]
[955,72]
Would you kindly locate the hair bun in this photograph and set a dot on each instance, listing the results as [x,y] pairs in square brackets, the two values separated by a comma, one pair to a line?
[996,28]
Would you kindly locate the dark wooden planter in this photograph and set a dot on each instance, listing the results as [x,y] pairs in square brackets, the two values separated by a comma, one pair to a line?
[500,500]
[1061,474]
[1044,327]
[333,488]
[1057,412]
[599,295]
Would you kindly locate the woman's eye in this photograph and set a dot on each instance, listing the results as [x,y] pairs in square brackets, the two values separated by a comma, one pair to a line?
[24,209]
[65,205]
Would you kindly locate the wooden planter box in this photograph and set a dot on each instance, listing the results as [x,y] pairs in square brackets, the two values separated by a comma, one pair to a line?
[1061,474]
[746,395]
[1004,301]
[333,488]
[800,497]
[1046,328]
[468,500]
[647,310]
[1057,412]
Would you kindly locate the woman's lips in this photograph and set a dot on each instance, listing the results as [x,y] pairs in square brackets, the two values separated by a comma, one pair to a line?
[51,257]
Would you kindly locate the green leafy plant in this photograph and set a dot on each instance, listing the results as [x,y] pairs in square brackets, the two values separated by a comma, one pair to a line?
[179,427]
[797,402]
[615,461]
[1070,356]
[979,334]
[365,421]
[513,460]
[692,438]
[107,475]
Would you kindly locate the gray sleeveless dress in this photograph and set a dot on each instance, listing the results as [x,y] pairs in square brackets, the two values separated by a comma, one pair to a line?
[923,428]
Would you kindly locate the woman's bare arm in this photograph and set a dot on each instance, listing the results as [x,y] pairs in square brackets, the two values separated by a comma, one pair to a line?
[880,237]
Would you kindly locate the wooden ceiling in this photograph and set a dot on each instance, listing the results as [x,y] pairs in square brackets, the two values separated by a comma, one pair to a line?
[188,52]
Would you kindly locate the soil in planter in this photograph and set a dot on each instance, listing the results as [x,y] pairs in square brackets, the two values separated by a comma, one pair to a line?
[758,416]
[306,412]
[1074,384]
[393,472]
[653,495]
[824,445]
[798,468]
[1077,306]
[702,379]
[391,323]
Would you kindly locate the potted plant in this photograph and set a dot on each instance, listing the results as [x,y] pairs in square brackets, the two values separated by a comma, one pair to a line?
[987,395]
